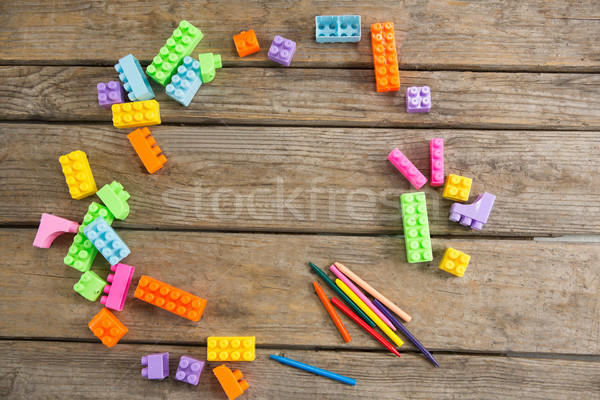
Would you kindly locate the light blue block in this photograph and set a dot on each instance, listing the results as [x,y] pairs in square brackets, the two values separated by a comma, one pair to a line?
[337,28]
[186,82]
[134,80]
[106,240]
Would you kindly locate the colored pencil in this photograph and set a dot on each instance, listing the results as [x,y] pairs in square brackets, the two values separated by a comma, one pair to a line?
[361,296]
[336,320]
[366,327]
[406,333]
[390,333]
[369,289]
[314,370]
[336,289]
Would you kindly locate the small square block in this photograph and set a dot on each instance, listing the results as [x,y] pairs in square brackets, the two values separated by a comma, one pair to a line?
[90,286]
[282,50]
[246,43]
[418,99]
[457,188]
[189,370]
[455,262]
[107,327]
[157,366]
[110,93]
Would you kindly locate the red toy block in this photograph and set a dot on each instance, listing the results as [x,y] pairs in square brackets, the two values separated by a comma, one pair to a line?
[52,227]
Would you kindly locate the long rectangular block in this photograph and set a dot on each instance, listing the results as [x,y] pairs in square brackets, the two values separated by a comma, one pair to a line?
[78,174]
[117,287]
[134,80]
[147,150]
[231,348]
[133,115]
[416,227]
[410,172]
[186,82]
[383,43]
[337,28]
[436,153]
[106,240]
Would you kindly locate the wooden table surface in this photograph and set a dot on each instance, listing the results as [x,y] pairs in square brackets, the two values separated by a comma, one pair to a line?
[270,167]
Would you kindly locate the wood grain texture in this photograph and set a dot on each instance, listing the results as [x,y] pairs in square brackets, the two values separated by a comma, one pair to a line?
[516,296]
[493,35]
[306,179]
[322,97]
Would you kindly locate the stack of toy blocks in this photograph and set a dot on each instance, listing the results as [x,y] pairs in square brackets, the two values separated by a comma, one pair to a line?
[186,82]
[189,370]
[133,78]
[385,58]
[106,240]
[117,287]
[107,327]
[282,50]
[209,62]
[110,93]
[246,43]
[337,28]
[231,348]
[115,198]
[133,115]
[146,148]
[233,383]
[157,366]
[90,286]
[416,227]
[50,228]
[78,174]
[454,262]
[410,172]
[418,99]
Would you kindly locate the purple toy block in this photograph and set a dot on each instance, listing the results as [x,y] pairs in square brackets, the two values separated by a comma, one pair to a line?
[418,99]
[157,366]
[475,214]
[282,50]
[189,370]
[110,93]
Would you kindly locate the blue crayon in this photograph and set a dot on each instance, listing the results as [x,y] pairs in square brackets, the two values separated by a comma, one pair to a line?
[405,331]
[314,370]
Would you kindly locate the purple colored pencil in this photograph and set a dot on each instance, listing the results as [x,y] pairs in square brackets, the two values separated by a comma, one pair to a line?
[405,331]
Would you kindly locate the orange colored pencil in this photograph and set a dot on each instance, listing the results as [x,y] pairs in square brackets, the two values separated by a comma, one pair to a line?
[336,320]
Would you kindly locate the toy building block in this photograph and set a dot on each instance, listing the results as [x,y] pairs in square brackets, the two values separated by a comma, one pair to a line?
[52,227]
[106,240]
[235,348]
[436,152]
[246,43]
[189,370]
[457,188]
[209,62]
[90,286]
[110,93]
[133,115]
[157,366]
[233,383]
[170,298]
[410,172]
[82,252]
[117,287]
[475,214]
[180,45]
[455,262]
[418,99]
[186,82]
[337,28]
[385,58]
[78,174]
[115,198]
[107,327]
[282,50]
[147,150]
[134,80]
[416,227]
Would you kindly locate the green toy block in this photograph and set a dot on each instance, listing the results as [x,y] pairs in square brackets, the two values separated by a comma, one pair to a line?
[208,63]
[115,198]
[180,45]
[90,286]
[82,252]
[416,227]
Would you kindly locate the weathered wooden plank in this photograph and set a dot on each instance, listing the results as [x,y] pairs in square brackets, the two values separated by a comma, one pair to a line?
[322,97]
[52,369]
[306,179]
[519,296]
[493,35]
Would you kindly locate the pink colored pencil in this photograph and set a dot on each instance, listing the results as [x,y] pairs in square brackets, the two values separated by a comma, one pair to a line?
[361,296]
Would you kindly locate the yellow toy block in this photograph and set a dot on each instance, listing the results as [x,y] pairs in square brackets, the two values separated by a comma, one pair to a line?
[78,174]
[455,261]
[457,188]
[234,348]
[138,113]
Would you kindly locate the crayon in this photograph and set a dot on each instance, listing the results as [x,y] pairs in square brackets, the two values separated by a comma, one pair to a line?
[334,317]
[314,370]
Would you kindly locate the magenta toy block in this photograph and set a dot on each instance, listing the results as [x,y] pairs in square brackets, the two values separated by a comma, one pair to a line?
[410,172]
[282,50]
[189,370]
[118,285]
[50,228]
[418,99]
[110,93]
[157,366]
[436,151]
[475,214]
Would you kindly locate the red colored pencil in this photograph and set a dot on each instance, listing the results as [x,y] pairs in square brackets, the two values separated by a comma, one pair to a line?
[334,317]
[366,327]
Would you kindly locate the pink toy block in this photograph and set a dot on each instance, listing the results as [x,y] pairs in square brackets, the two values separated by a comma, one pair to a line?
[436,149]
[50,228]
[118,285]
[410,172]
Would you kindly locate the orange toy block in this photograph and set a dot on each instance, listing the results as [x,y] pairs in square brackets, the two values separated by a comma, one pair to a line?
[107,327]
[146,148]
[385,57]
[170,298]
[246,43]
[232,382]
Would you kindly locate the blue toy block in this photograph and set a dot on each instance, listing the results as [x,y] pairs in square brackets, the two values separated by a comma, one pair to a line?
[186,82]
[106,240]
[134,80]
[337,28]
